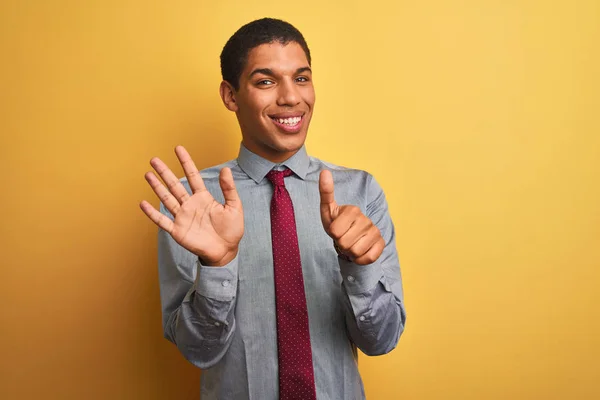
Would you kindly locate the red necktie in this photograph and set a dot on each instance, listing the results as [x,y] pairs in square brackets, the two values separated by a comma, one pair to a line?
[296,376]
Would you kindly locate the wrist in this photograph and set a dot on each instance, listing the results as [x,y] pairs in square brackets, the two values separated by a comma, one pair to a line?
[226,259]
[340,253]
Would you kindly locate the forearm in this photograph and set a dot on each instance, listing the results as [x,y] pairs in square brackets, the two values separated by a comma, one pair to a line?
[198,303]
[375,315]
[373,294]
[202,328]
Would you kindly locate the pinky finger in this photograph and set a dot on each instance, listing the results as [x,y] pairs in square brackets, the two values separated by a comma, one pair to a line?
[372,255]
[156,216]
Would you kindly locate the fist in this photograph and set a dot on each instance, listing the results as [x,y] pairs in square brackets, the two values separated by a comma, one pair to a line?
[352,232]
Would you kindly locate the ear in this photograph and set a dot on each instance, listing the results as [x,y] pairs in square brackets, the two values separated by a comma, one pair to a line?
[228,96]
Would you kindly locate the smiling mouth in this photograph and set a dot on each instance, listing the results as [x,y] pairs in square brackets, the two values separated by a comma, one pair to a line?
[289,122]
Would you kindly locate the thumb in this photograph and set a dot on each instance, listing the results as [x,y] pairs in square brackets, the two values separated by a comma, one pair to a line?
[328,204]
[232,199]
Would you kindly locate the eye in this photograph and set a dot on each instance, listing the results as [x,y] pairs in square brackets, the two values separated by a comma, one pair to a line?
[302,79]
[264,82]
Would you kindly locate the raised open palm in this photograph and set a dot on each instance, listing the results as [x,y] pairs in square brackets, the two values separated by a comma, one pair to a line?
[201,224]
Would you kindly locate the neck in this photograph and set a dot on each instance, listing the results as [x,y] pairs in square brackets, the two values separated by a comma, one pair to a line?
[273,156]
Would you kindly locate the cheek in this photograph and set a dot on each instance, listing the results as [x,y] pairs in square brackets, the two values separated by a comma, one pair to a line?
[251,111]
[252,100]
[309,96]
[260,99]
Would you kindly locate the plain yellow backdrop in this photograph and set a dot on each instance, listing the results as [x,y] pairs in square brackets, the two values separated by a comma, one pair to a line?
[480,119]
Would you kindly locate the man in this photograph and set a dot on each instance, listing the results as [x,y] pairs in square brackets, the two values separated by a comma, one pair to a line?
[269,281]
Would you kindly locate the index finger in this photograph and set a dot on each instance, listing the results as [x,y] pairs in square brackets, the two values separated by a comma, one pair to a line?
[190,170]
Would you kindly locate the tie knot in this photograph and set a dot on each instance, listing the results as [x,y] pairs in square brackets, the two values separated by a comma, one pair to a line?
[276,177]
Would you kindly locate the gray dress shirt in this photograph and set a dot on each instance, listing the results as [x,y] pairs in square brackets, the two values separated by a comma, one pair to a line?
[222,319]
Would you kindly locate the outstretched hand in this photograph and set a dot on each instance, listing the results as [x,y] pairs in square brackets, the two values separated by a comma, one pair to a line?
[353,233]
[201,224]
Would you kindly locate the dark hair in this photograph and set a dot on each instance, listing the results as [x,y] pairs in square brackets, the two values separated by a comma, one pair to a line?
[262,31]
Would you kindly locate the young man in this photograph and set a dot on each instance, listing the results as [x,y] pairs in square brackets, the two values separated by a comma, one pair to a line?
[268,280]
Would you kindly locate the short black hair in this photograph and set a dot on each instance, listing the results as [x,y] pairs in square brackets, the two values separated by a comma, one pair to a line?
[262,31]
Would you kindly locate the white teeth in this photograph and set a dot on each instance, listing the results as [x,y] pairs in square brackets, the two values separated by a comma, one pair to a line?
[289,121]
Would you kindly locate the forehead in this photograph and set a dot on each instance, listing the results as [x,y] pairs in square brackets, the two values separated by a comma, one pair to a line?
[277,57]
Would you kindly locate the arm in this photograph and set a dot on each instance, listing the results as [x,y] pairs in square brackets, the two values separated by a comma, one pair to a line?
[198,303]
[373,296]
[371,281]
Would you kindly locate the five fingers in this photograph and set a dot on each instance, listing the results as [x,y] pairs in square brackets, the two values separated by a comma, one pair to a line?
[172,193]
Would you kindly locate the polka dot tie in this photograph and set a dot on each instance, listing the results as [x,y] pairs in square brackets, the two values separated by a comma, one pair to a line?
[296,376]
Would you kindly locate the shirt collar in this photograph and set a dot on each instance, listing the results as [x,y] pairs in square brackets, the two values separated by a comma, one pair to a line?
[257,167]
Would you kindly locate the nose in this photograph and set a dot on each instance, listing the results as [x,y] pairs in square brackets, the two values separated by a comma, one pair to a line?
[288,94]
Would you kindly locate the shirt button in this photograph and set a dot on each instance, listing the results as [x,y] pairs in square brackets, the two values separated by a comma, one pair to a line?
[362,318]
[350,278]
[225,283]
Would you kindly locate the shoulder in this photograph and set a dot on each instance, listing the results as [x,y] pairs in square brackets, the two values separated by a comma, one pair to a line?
[211,174]
[357,181]
[342,174]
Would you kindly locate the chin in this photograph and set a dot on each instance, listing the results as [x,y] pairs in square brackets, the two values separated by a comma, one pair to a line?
[291,144]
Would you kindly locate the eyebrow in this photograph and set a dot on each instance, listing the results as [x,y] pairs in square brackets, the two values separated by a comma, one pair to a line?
[269,71]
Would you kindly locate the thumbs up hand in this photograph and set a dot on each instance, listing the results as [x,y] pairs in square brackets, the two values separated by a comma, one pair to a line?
[353,233]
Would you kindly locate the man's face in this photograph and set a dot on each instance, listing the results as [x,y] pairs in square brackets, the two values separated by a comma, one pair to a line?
[275,100]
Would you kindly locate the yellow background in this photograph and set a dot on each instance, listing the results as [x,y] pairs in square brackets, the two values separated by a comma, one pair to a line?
[479,118]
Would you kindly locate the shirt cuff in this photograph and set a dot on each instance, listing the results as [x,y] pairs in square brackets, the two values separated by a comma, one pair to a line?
[219,283]
[360,278]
